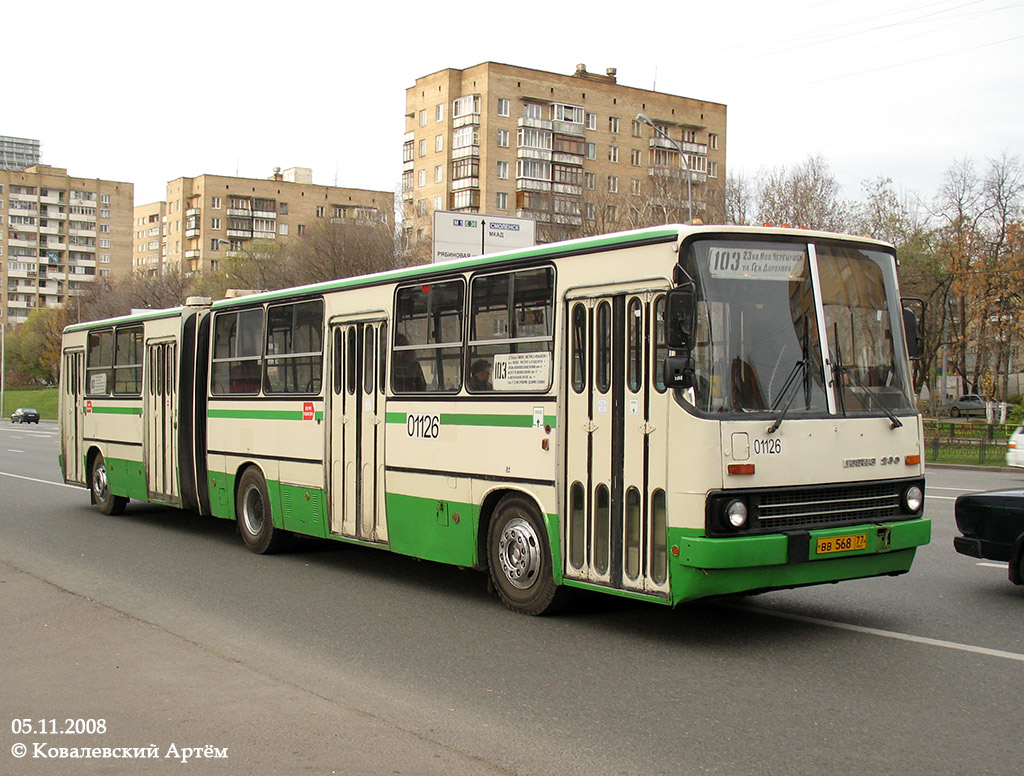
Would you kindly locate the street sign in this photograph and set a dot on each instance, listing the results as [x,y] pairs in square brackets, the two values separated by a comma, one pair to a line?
[461,235]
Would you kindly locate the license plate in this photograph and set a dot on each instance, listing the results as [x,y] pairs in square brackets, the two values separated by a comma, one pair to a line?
[842,543]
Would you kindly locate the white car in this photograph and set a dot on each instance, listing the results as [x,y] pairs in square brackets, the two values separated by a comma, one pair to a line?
[1015,448]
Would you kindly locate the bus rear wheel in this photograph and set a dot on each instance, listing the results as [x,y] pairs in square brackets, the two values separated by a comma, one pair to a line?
[519,559]
[106,502]
[252,510]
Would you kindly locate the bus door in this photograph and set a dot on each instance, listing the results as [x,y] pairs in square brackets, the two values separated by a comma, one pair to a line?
[356,447]
[73,386]
[160,409]
[616,441]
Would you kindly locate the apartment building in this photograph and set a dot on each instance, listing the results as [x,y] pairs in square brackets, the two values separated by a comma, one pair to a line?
[18,153]
[59,233]
[209,217]
[566,150]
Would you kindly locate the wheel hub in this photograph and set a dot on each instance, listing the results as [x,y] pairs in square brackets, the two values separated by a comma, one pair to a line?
[519,553]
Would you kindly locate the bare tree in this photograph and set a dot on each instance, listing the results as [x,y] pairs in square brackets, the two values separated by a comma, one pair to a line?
[806,196]
[739,199]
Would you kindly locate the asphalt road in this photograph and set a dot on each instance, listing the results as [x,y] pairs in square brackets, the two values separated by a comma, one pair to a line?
[919,674]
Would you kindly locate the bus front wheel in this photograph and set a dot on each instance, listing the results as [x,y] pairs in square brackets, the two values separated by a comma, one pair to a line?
[252,509]
[519,559]
[106,502]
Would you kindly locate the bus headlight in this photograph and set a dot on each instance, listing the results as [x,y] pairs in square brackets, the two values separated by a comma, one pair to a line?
[913,498]
[736,513]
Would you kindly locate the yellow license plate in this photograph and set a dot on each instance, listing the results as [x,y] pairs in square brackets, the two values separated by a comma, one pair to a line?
[842,543]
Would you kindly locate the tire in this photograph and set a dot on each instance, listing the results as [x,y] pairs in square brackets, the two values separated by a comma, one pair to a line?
[955,412]
[106,502]
[255,522]
[519,559]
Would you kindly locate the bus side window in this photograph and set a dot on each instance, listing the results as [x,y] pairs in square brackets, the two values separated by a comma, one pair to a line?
[579,348]
[100,365]
[427,355]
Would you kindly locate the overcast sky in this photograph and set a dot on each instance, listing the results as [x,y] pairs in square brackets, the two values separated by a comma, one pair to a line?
[147,93]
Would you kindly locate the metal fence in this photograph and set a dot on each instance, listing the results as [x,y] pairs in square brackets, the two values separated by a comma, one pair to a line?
[977,444]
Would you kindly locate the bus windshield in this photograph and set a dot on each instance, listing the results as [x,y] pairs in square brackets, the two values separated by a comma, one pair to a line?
[763,310]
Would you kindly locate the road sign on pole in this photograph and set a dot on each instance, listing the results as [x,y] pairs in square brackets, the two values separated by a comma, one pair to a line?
[461,235]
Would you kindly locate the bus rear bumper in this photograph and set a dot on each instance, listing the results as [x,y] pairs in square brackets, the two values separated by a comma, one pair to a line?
[717,566]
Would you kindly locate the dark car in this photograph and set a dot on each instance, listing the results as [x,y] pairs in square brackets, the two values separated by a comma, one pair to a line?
[24,415]
[992,524]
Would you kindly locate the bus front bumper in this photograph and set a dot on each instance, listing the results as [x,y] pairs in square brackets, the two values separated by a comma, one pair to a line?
[703,566]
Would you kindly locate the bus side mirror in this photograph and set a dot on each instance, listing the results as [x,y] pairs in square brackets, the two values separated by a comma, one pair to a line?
[913,320]
[679,372]
[680,318]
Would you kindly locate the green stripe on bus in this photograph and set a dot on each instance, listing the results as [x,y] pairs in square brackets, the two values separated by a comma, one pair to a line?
[102,410]
[263,414]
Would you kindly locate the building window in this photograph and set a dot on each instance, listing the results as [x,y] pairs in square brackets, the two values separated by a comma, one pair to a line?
[613,124]
[439,112]
[466,106]
[302,229]
[104,199]
[320,211]
[438,173]
[423,146]
[423,118]
[504,106]
[713,141]
[105,228]
[422,178]
[591,121]
[590,180]
[282,208]
[503,138]
[214,243]
[613,184]
[215,203]
[282,229]
[637,129]
[636,157]
[104,213]
[591,151]
[104,258]
[571,114]
[437,203]
[439,143]
[712,169]
[215,223]
[104,243]
[689,136]
[421,207]
[635,186]
[501,200]
[613,153]
[503,170]
[531,110]
[612,213]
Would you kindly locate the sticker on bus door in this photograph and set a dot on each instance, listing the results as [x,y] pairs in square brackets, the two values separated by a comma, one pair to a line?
[307,410]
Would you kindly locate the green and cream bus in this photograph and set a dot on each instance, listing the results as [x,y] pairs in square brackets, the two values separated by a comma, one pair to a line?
[665,414]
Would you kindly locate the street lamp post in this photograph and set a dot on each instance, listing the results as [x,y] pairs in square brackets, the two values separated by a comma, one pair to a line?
[642,118]
[255,262]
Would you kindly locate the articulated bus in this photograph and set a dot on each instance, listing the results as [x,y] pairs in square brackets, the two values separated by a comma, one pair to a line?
[664,414]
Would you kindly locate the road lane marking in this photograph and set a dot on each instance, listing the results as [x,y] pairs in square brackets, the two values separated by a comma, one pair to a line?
[992,565]
[44,482]
[9,450]
[940,498]
[884,633]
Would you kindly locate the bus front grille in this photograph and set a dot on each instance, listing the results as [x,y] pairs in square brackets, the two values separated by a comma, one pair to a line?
[829,505]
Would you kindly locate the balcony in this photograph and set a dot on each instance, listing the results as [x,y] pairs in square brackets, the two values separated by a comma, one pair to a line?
[658,142]
[537,123]
[52,199]
[560,218]
[54,230]
[677,172]
[22,242]
[260,234]
[192,211]
[191,254]
[465,183]
[469,120]
[561,157]
[271,214]
[191,233]
[243,234]
[528,184]
[541,154]
[465,152]
[573,189]
[240,212]
[567,128]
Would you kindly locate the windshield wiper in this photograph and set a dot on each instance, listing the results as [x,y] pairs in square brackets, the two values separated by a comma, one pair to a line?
[838,370]
[799,368]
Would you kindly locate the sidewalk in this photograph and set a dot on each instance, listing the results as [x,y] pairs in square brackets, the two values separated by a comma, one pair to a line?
[67,658]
